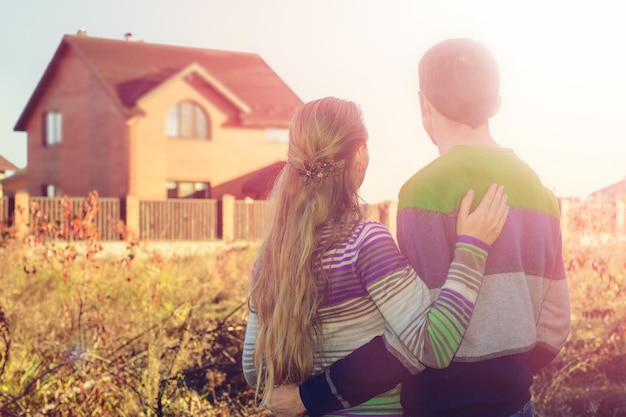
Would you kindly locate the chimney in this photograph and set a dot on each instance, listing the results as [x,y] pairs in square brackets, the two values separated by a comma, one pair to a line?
[82,31]
[128,36]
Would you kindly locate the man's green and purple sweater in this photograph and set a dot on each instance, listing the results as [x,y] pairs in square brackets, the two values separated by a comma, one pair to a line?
[521,318]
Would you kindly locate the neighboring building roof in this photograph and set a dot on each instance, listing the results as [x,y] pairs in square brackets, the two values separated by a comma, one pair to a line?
[5,165]
[611,191]
[131,69]
[10,185]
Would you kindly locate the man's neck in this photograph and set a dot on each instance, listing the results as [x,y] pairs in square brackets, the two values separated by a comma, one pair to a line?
[464,135]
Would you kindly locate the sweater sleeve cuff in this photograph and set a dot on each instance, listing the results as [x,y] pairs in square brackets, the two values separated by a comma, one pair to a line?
[474,241]
[318,397]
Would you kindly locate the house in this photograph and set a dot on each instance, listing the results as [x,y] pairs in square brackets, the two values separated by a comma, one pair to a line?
[613,191]
[14,183]
[153,121]
[5,166]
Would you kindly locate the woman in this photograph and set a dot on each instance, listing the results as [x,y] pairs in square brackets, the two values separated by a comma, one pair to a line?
[326,281]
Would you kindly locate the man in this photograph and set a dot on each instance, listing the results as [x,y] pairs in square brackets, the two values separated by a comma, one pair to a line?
[521,318]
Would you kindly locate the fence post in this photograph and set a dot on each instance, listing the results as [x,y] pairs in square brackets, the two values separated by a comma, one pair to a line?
[392,213]
[228,218]
[565,215]
[132,217]
[21,214]
[620,220]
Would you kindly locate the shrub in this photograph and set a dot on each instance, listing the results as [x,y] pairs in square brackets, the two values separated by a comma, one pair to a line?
[588,378]
[86,333]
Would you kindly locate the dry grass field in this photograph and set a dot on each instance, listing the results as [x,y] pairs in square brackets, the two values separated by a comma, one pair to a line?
[140,333]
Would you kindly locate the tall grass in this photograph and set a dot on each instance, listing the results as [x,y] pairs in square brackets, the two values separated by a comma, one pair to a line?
[84,332]
[588,378]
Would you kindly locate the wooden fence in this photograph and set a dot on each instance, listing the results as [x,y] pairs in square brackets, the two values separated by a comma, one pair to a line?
[62,211]
[4,209]
[229,219]
[115,219]
[593,217]
[250,218]
[178,220]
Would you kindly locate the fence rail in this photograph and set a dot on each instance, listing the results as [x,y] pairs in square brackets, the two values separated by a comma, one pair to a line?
[178,220]
[597,216]
[62,211]
[229,219]
[250,219]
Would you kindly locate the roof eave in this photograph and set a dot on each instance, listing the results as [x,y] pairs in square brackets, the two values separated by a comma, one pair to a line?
[48,74]
[195,68]
[22,121]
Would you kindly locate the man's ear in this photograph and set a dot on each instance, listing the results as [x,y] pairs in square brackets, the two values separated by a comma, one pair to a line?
[496,106]
[425,106]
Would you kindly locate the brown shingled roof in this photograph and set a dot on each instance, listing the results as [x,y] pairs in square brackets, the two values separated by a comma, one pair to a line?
[5,165]
[131,69]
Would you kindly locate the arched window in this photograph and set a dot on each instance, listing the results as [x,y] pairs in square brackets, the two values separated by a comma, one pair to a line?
[187,120]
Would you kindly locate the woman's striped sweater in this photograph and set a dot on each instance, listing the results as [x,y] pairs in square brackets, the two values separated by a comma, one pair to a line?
[374,292]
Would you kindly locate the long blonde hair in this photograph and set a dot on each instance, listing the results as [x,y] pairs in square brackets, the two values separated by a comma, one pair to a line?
[288,282]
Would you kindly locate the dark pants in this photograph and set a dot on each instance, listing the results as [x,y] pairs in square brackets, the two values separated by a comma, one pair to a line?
[526,411]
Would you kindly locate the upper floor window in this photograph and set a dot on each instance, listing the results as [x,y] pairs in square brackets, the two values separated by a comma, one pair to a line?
[187,120]
[52,128]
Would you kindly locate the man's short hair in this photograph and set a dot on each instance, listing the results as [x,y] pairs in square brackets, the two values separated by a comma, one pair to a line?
[461,79]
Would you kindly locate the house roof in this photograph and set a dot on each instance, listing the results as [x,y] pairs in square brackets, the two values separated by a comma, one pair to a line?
[131,69]
[256,184]
[5,165]
[263,180]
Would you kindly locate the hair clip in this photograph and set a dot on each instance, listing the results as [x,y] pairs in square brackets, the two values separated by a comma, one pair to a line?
[320,170]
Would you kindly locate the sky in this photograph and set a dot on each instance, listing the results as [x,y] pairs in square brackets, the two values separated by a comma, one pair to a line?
[563,69]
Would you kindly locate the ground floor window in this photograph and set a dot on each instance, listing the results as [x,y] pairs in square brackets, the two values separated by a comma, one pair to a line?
[50,190]
[188,189]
